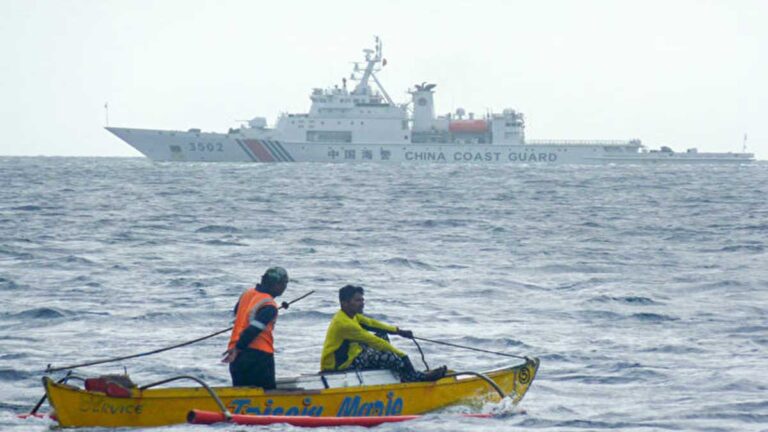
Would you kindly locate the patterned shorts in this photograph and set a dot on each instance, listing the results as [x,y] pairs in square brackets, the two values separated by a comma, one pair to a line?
[370,358]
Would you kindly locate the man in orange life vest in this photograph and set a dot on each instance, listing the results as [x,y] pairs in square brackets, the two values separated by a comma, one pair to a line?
[250,352]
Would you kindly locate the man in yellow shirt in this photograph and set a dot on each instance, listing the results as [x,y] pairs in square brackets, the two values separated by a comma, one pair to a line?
[350,345]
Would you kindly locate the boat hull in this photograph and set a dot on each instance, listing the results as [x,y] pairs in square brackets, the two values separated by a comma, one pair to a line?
[179,146]
[76,407]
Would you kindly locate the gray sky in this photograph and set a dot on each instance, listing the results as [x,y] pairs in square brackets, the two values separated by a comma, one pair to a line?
[682,73]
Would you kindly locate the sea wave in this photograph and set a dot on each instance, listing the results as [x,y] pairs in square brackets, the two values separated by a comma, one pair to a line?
[641,289]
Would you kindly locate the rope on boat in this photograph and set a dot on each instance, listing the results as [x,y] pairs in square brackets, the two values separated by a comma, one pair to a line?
[222,407]
[423,359]
[50,369]
[470,348]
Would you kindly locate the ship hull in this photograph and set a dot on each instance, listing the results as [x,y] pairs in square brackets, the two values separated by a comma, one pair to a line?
[180,146]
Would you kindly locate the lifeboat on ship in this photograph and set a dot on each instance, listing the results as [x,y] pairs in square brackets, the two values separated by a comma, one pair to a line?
[468,126]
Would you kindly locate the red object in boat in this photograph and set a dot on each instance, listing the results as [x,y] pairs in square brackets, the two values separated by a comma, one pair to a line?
[117,391]
[208,417]
[96,385]
[468,126]
[103,385]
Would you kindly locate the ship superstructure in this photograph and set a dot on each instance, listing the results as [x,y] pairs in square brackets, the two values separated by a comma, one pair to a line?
[364,124]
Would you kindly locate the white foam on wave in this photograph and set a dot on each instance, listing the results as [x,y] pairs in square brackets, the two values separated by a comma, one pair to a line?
[504,408]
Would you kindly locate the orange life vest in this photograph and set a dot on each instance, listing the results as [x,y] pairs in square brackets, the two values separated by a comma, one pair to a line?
[245,300]
[250,303]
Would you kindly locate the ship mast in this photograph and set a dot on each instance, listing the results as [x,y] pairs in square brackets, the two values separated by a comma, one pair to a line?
[372,57]
[744,144]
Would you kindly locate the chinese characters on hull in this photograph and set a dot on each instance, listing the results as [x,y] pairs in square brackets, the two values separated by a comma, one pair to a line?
[343,154]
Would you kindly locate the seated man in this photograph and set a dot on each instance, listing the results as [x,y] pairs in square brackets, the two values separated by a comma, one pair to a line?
[349,345]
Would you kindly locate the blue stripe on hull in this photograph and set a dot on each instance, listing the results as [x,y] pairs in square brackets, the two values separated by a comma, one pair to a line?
[282,149]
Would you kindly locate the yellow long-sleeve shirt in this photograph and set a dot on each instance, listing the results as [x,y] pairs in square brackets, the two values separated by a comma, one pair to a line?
[344,336]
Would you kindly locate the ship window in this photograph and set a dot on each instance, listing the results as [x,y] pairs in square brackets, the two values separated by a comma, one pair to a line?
[329,136]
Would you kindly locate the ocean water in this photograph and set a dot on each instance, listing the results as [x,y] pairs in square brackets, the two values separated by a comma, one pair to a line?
[642,289]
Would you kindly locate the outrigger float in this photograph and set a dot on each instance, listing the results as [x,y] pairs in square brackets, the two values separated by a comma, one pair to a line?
[364,398]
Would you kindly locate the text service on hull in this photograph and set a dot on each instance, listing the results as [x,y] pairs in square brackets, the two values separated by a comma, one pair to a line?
[365,125]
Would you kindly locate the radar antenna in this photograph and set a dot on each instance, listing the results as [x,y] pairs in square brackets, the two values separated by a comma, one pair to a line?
[372,58]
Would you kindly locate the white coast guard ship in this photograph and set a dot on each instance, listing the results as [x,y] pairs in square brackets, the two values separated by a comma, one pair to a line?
[365,125]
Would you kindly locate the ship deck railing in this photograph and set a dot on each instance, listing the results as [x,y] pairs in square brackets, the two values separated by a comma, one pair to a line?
[583,142]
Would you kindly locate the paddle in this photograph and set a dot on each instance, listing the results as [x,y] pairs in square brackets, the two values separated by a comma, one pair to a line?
[49,369]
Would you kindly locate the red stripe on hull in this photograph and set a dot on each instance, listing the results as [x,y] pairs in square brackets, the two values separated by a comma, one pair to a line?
[208,417]
[258,149]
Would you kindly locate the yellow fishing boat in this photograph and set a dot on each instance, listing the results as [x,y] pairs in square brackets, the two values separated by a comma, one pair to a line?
[341,394]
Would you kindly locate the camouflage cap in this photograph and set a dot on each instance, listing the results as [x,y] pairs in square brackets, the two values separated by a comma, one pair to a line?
[274,276]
